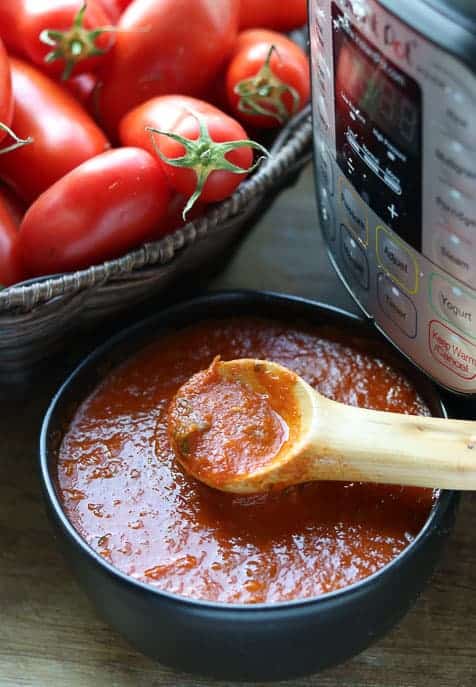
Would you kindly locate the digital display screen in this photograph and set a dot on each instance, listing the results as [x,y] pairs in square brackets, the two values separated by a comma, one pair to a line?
[386,105]
[378,129]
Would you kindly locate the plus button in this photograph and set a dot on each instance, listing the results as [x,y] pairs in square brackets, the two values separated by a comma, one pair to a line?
[392,210]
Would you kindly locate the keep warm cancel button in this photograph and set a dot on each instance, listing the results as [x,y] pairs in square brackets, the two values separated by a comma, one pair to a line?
[452,350]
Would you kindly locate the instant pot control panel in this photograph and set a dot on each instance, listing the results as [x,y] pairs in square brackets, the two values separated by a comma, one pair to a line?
[395,151]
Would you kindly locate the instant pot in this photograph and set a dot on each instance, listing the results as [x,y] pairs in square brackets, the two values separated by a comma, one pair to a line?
[394,116]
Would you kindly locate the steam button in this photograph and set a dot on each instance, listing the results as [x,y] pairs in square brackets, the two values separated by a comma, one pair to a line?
[454,254]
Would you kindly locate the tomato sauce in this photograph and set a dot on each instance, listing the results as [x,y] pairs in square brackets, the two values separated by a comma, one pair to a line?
[222,428]
[126,494]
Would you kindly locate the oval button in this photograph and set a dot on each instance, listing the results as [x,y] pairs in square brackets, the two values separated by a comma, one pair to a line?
[455,256]
[458,163]
[396,260]
[453,304]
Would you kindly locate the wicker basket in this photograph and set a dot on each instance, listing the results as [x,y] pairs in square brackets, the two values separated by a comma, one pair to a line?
[35,315]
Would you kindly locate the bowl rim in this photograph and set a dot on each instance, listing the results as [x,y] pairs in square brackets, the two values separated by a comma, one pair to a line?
[259,297]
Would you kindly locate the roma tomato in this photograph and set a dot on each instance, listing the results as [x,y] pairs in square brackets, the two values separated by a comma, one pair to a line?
[65,36]
[165,46]
[281,15]
[268,78]
[11,266]
[204,152]
[83,87]
[6,105]
[98,211]
[114,8]
[11,12]
[63,134]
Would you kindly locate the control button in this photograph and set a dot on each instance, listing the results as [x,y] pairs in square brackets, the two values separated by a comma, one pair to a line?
[458,164]
[452,350]
[392,210]
[355,211]
[454,254]
[460,121]
[325,214]
[397,260]
[456,210]
[454,304]
[354,257]
[397,306]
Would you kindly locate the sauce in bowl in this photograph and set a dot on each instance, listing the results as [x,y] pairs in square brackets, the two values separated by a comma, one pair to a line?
[126,494]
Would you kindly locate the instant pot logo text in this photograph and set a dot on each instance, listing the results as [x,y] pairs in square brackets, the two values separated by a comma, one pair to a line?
[377,24]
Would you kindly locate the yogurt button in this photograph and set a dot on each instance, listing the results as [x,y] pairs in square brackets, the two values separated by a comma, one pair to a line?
[453,303]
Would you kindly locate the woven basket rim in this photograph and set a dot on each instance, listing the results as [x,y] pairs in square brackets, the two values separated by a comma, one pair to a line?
[291,144]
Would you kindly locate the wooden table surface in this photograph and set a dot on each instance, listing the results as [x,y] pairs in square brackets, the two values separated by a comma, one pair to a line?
[50,635]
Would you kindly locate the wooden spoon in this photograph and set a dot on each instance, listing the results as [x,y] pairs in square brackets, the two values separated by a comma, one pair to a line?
[319,439]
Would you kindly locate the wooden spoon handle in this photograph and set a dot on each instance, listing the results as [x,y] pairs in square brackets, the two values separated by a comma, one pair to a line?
[390,448]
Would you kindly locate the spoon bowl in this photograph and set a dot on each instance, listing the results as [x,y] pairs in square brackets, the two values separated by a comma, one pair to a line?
[323,439]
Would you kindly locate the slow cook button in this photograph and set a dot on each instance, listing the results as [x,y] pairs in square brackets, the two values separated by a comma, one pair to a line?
[397,260]
[397,306]
[456,209]
[354,258]
[454,255]
[452,350]
[458,163]
[454,304]
[354,210]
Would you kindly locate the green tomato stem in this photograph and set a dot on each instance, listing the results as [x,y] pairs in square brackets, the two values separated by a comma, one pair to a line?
[262,93]
[204,156]
[74,44]
[19,142]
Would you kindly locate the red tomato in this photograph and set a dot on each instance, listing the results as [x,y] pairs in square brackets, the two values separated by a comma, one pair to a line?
[6,95]
[165,46]
[83,88]
[11,12]
[98,211]
[64,135]
[16,206]
[215,146]
[114,8]
[174,218]
[282,15]
[268,78]
[7,106]
[11,267]
[65,36]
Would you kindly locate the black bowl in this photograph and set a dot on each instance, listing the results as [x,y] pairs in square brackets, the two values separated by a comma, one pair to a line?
[239,642]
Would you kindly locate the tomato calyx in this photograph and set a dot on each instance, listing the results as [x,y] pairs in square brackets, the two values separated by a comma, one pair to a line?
[262,93]
[19,142]
[204,156]
[74,44]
